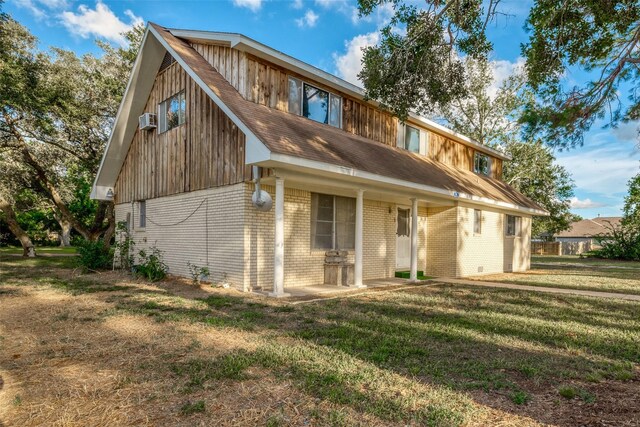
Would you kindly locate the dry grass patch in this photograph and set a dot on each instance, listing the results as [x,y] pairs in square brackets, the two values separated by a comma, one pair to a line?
[104,349]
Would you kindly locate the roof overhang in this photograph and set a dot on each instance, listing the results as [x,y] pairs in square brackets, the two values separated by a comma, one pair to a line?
[373,182]
[246,44]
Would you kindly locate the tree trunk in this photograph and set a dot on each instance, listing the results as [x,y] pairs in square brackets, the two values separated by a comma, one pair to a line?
[65,232]
[28,250]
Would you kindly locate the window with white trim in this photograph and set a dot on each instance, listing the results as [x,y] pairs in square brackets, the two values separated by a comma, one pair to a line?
[482,164]
[172,112]
[314,103]
[412,139]
[477,221]
[512,225]
[333,222]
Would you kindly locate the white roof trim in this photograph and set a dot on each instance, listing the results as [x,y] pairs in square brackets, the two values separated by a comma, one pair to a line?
[246,44]
[133,102]
[418,188]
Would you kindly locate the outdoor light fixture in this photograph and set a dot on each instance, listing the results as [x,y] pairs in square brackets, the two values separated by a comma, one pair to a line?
[110,193]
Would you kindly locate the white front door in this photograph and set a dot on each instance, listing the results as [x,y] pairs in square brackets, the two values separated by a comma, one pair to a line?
[403,238]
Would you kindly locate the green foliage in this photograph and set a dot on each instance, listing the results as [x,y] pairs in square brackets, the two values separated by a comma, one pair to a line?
[415,65]
[151,265]
[198,273]
[600,37]
[124,246]
[623,242]
[520,397]
[94,255]
[492,120]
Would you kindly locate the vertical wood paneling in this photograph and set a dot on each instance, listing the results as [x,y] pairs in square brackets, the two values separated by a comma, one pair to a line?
[207,151]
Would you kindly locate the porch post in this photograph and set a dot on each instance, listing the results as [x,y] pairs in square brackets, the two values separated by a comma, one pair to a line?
[357,268]
[278,252]
[413,276]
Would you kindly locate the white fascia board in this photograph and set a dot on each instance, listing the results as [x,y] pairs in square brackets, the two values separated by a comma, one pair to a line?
[133,101]
[246,44]
[394,182]
[255,150]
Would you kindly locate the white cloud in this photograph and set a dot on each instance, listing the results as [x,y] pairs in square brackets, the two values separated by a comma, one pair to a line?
[576,203]
[99,22]
[349,64]
[308,20]
[253,5]
[629,131]
[297,4]
[502,70]
[380,16]
[33,7]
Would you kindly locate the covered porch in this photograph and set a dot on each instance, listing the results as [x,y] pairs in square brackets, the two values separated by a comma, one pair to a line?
[388,229]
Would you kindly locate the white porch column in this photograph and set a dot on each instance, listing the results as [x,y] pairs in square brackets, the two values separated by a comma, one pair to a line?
[278,252]
[357,268]
[413,276]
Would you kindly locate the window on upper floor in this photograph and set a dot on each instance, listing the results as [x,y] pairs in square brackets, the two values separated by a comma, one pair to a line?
[412,139]
[482,164]
[512,225]
[314,103]
[333,222]
[172,112]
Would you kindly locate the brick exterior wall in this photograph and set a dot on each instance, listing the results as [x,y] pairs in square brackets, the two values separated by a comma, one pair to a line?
[236,241]
[179,227]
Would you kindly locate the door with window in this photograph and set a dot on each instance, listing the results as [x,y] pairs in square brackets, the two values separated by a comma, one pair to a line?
[403,238]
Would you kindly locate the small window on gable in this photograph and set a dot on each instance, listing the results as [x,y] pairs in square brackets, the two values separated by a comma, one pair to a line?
[513,225]
[482,164]
[314,103]
[172,112]
[142,207]
[477,221]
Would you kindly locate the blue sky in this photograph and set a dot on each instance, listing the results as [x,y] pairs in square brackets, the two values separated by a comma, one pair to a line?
[329,35]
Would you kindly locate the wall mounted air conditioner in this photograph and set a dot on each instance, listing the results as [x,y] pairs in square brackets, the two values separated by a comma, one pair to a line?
[148,121]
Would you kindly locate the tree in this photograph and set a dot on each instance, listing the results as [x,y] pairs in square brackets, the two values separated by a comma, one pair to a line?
[631,209]
[9,216]
[416,65]
[55,119]
[600,37]
[492,120]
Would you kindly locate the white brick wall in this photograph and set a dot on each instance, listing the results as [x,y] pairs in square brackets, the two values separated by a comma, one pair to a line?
[236,241]
[178,226]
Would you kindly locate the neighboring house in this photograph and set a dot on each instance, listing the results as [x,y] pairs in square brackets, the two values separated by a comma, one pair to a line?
[342,172]
[581,236]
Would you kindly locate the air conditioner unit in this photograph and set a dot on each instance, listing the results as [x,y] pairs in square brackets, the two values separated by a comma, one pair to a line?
[148,121]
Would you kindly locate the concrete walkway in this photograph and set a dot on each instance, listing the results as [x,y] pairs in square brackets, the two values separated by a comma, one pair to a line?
[538,289]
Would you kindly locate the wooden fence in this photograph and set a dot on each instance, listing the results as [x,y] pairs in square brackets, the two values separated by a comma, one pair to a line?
[546,248]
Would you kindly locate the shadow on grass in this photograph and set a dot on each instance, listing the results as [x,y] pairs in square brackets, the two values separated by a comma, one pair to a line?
[403,356]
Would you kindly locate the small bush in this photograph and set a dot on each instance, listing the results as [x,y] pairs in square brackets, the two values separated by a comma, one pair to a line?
[198,274]
[94,255]
[151,266]
[520,397]
[567,391]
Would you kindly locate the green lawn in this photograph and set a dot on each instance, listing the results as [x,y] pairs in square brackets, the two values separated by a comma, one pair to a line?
[575,273]
[39,250]
[415,356]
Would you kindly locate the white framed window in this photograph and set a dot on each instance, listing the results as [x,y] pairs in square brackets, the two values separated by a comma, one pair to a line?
[477,221]
[412,139]
[512,226]
[172,112]
[314,103]
[482,164]
[142,213]
[333,222]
